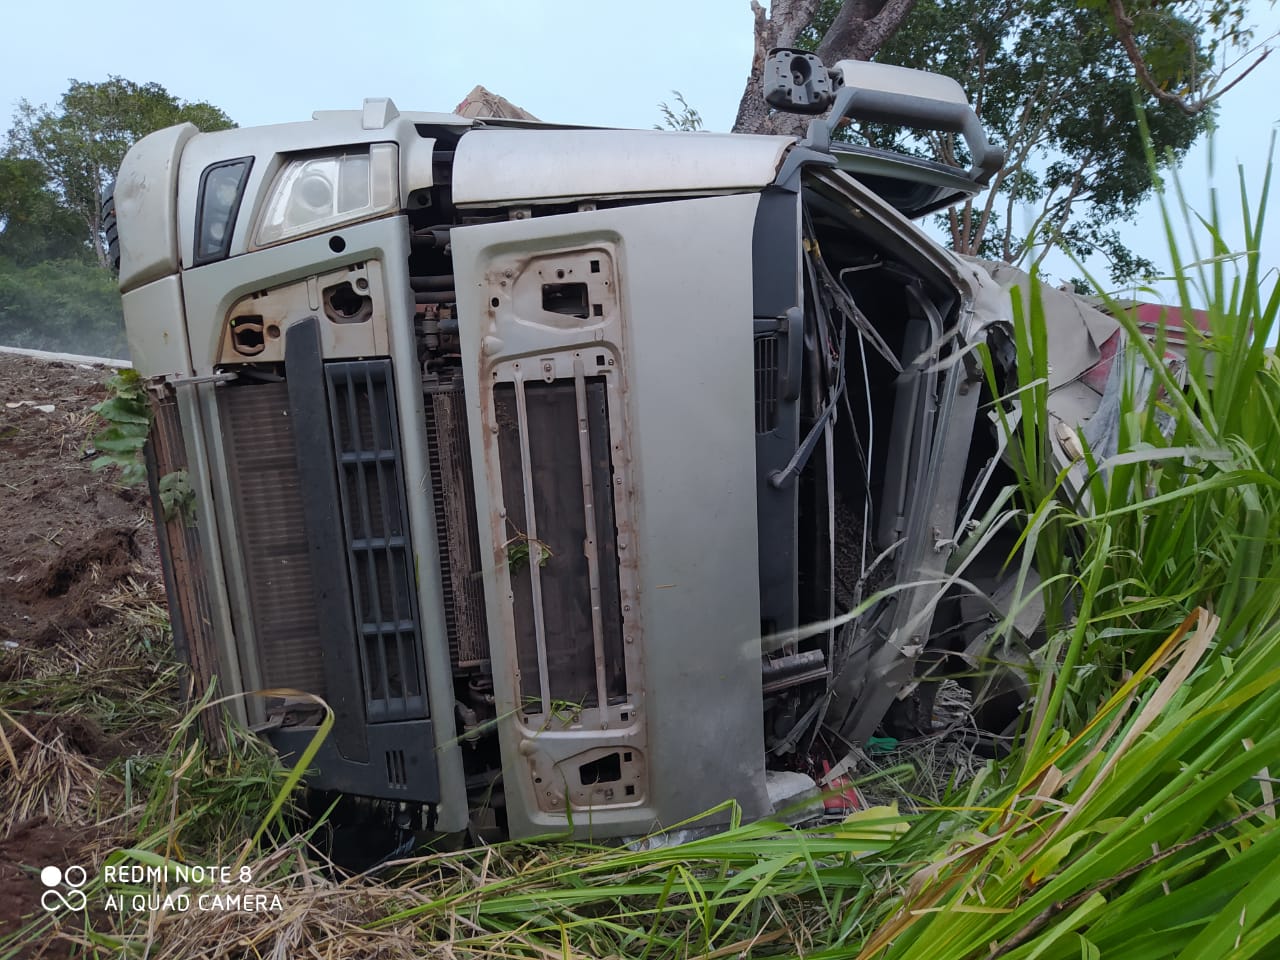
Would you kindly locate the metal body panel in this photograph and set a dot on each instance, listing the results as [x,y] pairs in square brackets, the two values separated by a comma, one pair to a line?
[362,334]
[235,576]
[149,229]
[679,329]
[155,329]
[215,288]
[212,291]
[1074,331]
[392,236]
[501,166]
[329,132]
[193,416]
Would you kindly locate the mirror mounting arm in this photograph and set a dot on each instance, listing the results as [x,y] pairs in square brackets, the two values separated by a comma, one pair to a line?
[796,81]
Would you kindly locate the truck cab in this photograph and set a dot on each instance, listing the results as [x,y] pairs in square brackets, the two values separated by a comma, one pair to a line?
[588,478]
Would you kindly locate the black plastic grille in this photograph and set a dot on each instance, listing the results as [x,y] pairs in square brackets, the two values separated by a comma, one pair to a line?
[375,519]
[397,775]
[766,383]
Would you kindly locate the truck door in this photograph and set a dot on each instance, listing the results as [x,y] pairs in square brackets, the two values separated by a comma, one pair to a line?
[608,364]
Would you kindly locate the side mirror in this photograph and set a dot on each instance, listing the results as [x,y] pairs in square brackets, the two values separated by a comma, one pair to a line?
[797,82]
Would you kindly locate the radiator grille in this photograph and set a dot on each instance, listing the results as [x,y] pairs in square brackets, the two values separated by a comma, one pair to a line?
[188,593]
[453,491]
[555,474]
[766,383]
[262,457]
[371,488]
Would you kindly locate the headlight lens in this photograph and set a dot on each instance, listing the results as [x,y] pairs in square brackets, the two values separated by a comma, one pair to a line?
[221,186]
[319,192]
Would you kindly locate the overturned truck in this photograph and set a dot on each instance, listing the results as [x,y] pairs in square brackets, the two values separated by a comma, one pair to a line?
[553,459]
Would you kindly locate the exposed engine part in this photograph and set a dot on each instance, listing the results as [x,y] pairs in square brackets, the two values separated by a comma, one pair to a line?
[437,236]
[790,671]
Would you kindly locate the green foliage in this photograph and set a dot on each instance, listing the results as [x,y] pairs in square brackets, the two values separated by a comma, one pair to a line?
[67,305]
[1186,43]
[1053,85]
[34,226]
[194,801]
[680,117]
[1154,726]
[79,146]
[53,175]
[1189,509]
[177,496]
[128,417]
[521,548]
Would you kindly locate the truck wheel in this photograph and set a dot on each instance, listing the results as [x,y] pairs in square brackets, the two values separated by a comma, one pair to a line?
[109,228]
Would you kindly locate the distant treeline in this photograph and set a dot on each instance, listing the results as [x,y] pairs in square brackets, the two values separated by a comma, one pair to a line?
[71,306]
[57,282]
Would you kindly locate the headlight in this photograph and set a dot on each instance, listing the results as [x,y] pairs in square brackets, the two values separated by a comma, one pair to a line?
[221,186]
[319,192]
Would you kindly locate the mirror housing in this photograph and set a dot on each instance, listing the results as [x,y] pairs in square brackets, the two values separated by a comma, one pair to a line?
[797,81]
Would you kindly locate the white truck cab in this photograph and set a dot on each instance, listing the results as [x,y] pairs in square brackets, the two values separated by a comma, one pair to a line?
[553,459]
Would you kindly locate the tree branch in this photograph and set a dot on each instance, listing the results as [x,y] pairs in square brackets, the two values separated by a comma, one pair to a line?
[860,28]
[1063,216]
[781,26]
[1124,32]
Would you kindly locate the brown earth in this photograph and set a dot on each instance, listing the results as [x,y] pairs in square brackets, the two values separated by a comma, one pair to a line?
[67,534]
[69,537]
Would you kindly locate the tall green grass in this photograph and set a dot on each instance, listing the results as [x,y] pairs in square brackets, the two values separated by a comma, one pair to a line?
[1137,819]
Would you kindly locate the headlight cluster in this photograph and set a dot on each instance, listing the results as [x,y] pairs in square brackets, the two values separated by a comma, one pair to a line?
[319,192]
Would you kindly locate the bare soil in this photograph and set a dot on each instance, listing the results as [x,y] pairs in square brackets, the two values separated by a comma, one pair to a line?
[69,536]
[67,533]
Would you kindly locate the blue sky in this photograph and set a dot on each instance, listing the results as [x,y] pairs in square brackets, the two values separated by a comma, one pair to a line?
[595,63]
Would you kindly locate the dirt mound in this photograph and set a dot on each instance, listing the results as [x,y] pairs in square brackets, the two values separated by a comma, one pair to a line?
[65,595]
[68,535]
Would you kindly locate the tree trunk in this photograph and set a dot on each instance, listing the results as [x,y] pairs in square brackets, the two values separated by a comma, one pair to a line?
[859,29]
[95,227]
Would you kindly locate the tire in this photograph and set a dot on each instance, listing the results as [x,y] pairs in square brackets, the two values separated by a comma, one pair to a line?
[110,230]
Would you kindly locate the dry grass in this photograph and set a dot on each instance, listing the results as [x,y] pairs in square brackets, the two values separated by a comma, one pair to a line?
[509,901]
[44,773]
[74,712]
